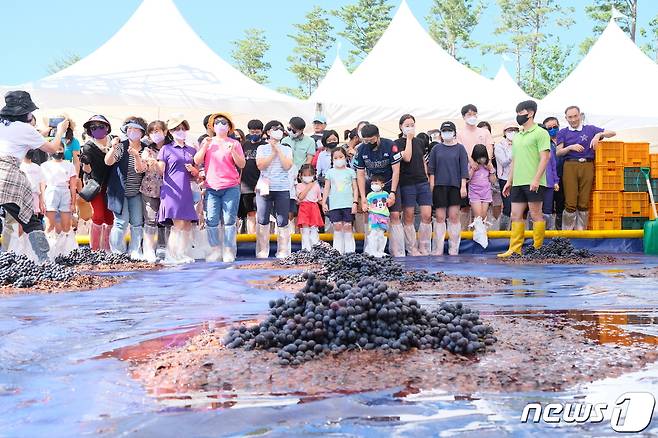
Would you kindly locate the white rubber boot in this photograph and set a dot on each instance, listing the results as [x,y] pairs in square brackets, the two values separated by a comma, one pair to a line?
[135,246]
[424,239]
[372,243]
[262,241]
[438,241]
[349,245]
[396,244]
[455,237]
[230,243]
[185,246]
[283,242]
[306,238]
[339,241]
[314,236]
[410,241]
[150,243]
[381,241]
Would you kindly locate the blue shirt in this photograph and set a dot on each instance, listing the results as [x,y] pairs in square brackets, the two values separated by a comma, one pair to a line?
[69,148]
[378,161]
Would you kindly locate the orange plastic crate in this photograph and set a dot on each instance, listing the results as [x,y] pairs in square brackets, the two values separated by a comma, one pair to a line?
[636,155]
[635,204]
[653,161]
[609,153]
[606,203]
[609,178]
[604,223]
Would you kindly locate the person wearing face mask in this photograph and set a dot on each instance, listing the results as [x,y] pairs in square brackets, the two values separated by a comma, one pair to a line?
[274,160]
[527,179]
[123,196]
[503,153]
[17,137]
[552,186]
[552,124]
[329,143]
[448,172]
[319,126]
[309,195]
[95,178]
[60,197]
[339,201]
[414,188]
[380,156]
[176,164]
[469,136]
[250,175]
[378,217]
[577,144]
[303,150]
[222,158]
[150,187]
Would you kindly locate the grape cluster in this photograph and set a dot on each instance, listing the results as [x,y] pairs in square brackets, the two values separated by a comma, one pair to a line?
[87,256]
[326,318]
[353,267]
[320,253]
[20,272]
[557,248]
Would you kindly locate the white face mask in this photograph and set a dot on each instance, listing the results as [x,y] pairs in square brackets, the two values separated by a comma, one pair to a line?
[473,120]
[277,134]
[157,137]
[307,179]
[134,135]
[180,135]
[340,163]
[376,187]
[408,130]
[510,135]
[482,160]
[447,135]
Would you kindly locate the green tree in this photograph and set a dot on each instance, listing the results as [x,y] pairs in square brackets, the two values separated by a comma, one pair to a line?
[601,12]
[248,54]
[292,91]
[364,22]
[62,62]
[552,68]
[451,23]
[313,39]
[527,25]
[651,47]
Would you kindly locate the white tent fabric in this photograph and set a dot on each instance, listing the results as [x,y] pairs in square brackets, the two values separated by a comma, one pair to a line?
[167,65]
[507,87]
[336,79]
[407,71]
[613,85]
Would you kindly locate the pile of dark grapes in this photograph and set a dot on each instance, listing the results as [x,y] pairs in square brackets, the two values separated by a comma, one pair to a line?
[320,253]
[20,272]
[86,256]
[557,248]
[353,267]
[325,318]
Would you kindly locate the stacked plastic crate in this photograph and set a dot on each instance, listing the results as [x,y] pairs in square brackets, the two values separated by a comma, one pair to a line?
[635,199]
[606,200]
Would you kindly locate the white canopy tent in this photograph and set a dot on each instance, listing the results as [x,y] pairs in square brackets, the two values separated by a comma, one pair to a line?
[507,87]
[154,71]
[337,78]
[613,85]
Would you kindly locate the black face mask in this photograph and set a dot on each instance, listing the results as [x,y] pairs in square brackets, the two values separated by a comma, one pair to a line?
[522,119]
[332,145]
[58,155]
[373,145]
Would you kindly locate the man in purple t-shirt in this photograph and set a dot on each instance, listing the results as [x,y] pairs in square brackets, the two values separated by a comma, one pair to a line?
[577,144]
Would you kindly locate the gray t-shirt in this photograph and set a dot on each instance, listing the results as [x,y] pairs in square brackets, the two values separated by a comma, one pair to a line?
[448,164]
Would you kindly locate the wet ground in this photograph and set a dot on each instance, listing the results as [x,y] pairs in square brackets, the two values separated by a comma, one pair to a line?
[67,360]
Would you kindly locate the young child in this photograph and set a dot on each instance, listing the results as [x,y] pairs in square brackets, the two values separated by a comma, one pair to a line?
[378,217]
[60,194]
[340,200]
[37,182]
[309,218]
[479,191]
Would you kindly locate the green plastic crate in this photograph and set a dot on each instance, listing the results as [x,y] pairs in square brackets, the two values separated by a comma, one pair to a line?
[633,223]
[654,187]
[634,180]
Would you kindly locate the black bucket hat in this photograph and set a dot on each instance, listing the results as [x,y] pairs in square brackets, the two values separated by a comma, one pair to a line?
[18,103]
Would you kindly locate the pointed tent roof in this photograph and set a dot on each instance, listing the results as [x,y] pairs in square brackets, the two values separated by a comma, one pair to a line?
[506,85]
[336,79]
[137,66]
[612,84]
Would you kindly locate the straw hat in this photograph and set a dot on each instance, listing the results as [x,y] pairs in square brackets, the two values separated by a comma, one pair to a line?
[175,120]
[215,116]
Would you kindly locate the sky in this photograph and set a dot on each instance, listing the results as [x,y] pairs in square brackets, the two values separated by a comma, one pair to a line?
[39,31]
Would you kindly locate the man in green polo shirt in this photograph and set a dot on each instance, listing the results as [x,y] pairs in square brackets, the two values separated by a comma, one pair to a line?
[527,179]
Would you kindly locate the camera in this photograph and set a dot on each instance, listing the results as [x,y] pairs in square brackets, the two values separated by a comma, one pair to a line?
[53,122]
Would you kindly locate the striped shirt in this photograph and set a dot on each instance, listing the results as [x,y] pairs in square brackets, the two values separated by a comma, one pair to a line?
[133,179]
[275,173]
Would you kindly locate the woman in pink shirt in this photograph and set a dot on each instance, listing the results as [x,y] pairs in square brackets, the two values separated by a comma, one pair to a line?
[222,156]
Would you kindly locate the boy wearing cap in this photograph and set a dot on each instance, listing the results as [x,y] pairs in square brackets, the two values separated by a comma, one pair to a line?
[319,126]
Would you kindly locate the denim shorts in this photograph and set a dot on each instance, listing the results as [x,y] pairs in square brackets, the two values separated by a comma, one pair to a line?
[416,194]
[58,199]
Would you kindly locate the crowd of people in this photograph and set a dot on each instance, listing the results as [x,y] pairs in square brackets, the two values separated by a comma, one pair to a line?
[172,193]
